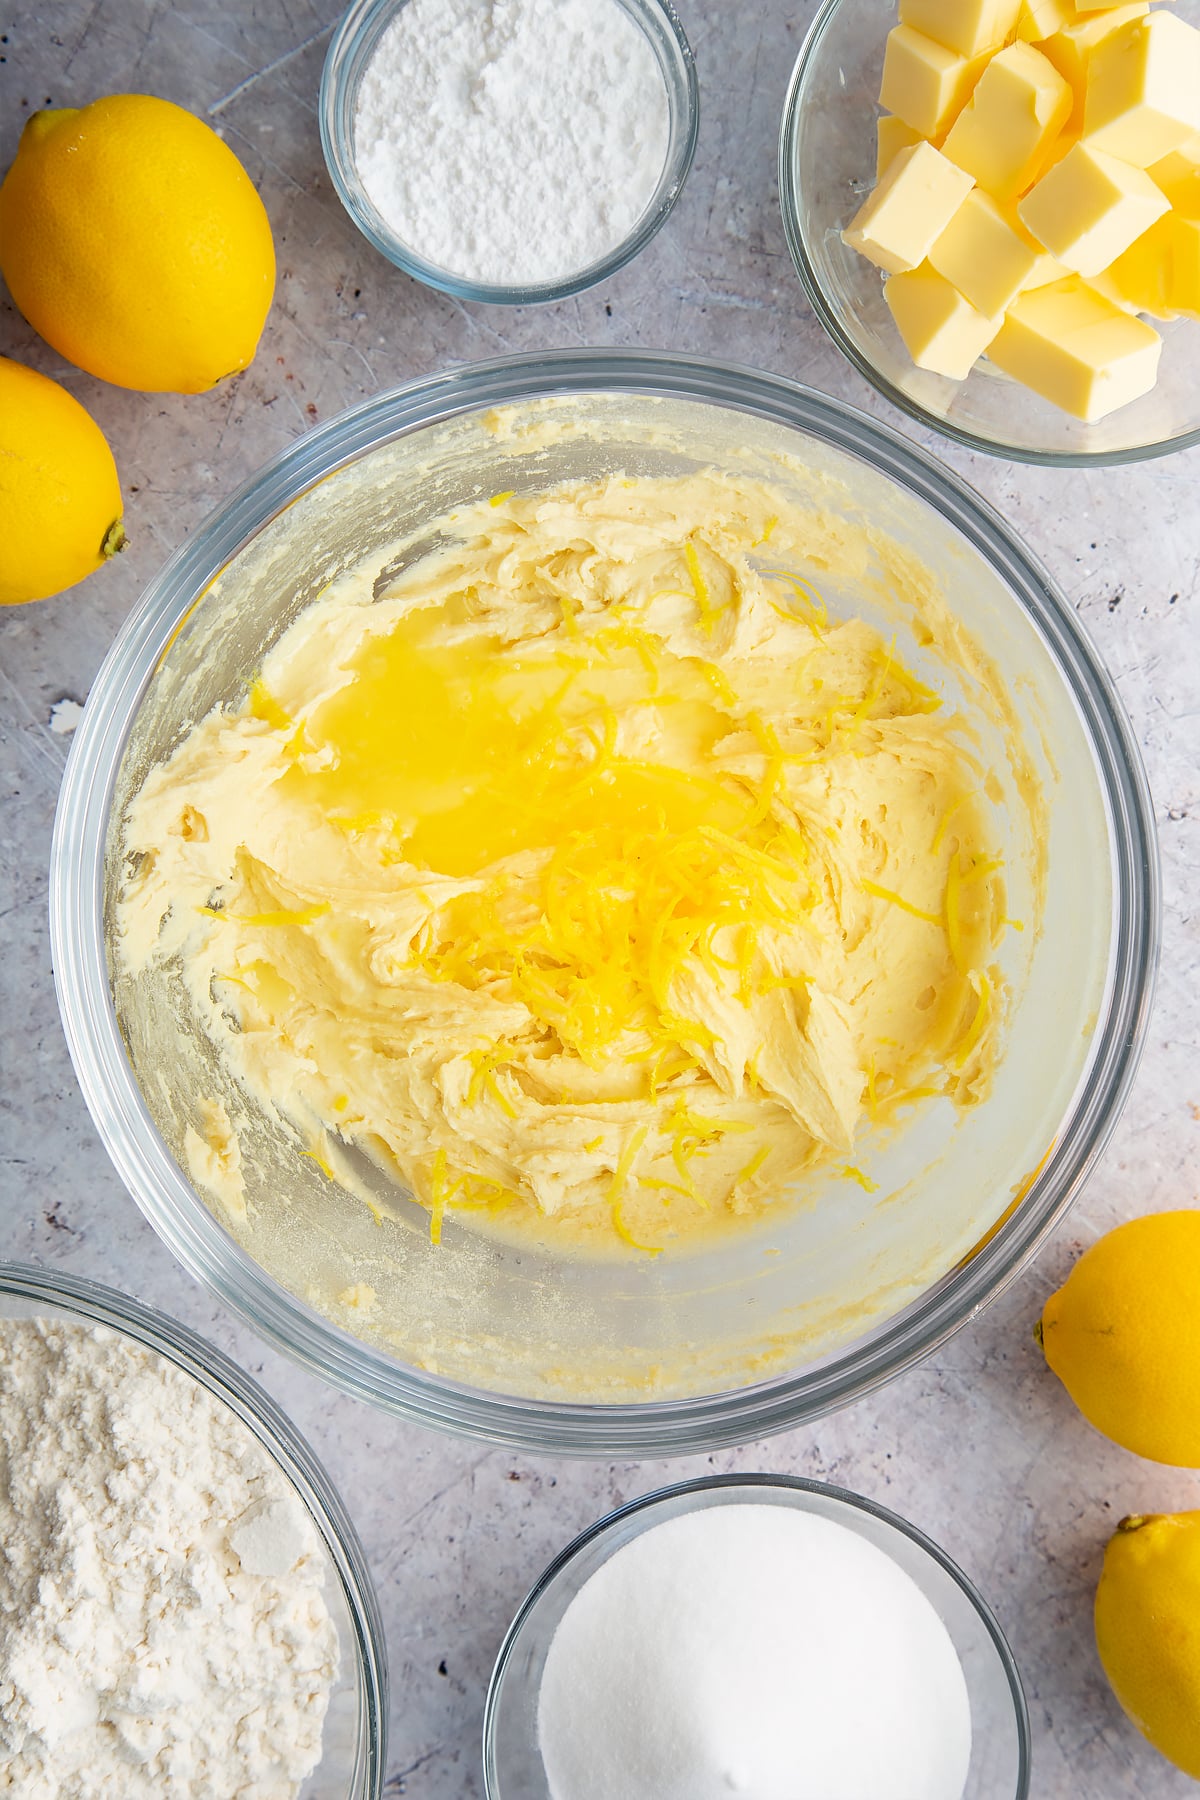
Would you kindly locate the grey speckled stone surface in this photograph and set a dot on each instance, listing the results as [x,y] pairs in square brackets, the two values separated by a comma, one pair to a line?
[980,1446]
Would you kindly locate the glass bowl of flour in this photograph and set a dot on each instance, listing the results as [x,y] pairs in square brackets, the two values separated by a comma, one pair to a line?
[511,153]
[162,1517]
[742,1633]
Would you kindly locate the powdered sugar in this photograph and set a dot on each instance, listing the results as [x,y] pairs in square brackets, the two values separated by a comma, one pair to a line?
[162,1625]
[512,141]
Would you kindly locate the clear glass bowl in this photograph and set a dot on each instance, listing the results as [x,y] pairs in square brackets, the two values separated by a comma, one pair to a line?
[1000,1746]
[826,170]
[353,1760]
[652,1356]
[352,46]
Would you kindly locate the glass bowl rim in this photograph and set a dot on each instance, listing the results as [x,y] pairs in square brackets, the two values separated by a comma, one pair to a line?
[193,1234]
[283,1442]
[826,313]
[363,23]
[704,1486]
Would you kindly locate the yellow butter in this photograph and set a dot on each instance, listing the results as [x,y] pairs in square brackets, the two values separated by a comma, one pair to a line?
[964,26]
[1045,268]
[1160,273]
[941,331]
[1091,207]
[981,253]
[1143,89]
[1070,49]
[1018,109]
[1040,19]
[891,136]
[1078,350]
[925,84]
[1173,172]
[911,206]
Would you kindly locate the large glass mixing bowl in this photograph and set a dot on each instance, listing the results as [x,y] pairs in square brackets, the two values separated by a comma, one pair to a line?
[822,1301]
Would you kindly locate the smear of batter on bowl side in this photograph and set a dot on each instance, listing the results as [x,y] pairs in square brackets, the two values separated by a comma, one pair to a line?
[593,877]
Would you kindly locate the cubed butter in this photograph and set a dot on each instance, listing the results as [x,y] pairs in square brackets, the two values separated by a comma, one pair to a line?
[911,206]
[1077,349]
[1070,49]
[1040,19]
[1089,8]
[1090,207]
[1174,171]
[942,332]
[925,84]
[1160,273]
[965,26]
[891,136]
[1003,134]
[1143,89]
[983,256]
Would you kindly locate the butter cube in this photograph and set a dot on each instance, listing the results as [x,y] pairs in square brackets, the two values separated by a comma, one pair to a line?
[891,136]
[1071,47]
[1090,207]
[911,206]
[925,84]
[941,331]
[966,26]
[1143,89]
[1160,273]
[1077,349]
[1175,170]
[1040,19]
[1017,110]
[985,258]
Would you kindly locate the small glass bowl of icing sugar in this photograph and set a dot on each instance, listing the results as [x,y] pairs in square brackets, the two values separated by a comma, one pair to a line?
[761,1636]
[511,151]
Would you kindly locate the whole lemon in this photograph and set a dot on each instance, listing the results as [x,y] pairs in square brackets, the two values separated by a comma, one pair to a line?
[134,241]
[1148,1630]
[60,500]
[1123,1336]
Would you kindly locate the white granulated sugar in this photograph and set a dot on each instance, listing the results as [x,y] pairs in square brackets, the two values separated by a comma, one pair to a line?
[512,141]
[757,1652]
[163,1632]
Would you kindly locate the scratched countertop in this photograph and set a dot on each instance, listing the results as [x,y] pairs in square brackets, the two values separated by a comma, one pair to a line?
[979,1445]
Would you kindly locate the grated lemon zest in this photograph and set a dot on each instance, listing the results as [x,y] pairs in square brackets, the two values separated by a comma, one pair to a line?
[864,1181]
[894,899]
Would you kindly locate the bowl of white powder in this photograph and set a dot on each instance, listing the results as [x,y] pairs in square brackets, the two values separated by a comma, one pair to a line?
[755,1635]
[184,1605]
[511,151]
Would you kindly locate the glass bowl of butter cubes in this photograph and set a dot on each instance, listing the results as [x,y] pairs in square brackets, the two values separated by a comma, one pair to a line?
[994,207]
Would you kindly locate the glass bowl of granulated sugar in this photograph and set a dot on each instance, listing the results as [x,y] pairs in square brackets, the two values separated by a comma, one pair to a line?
[755,1635]
[512,151]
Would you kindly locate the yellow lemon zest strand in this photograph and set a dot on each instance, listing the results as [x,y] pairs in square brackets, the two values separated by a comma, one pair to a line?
[983,989]
[315,1156]
[499,499]
[718,682]
[814,617]
[341,1102]
[894,899]
[264,706]
[752,1167]
[872,1096]
[592,1145]
[768,530]
[708,612]
[616,1191]
[442,1191]
[303,915]
[864,1181]
[939,836]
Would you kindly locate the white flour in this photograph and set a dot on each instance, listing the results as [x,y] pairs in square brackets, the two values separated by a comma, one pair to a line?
[752,1651]
[512,141]
[162,1625]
